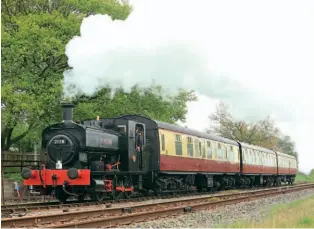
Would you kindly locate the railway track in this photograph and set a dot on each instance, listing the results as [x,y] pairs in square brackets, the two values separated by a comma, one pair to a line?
[24,208]
[115,216]
[29,199]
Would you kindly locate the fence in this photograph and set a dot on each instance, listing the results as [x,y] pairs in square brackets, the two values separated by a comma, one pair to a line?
[12,163]
[18,156]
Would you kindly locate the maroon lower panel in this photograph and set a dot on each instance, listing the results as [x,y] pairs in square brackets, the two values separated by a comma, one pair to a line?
[173,163]
[259,169]
[284,171]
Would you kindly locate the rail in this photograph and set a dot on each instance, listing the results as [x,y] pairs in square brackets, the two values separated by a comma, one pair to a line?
[112,217]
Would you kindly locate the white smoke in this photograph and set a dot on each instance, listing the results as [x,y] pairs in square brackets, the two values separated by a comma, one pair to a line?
[178,44]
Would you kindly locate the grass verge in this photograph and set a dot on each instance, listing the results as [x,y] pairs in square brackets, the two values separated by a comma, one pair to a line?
[301,177]
[298,214]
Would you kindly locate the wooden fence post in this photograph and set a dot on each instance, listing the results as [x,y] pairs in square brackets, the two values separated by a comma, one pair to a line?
[2,189]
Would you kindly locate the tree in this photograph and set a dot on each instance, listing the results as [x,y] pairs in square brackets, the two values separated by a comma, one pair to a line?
[262,133]
[34,36]
[149,102]
[286,145]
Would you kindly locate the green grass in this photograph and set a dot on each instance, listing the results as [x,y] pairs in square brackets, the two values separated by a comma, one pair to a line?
[298,214]
[13,176]
[301,177]
[14,173]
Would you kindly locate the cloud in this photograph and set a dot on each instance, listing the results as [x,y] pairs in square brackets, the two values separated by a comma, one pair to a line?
[257,56]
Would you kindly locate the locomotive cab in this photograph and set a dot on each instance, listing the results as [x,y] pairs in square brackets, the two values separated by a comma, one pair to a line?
[131,157]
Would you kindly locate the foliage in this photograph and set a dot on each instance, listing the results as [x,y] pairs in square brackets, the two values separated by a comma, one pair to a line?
[13,176]
[301,177]
[262,133]
[286,145]
[34,36]
[148,102]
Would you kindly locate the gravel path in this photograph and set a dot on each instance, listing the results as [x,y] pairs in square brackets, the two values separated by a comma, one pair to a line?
[253,210]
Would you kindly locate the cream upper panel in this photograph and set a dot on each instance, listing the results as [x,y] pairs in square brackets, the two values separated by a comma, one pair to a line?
[176,144]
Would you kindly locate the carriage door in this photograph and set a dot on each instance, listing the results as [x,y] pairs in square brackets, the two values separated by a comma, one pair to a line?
[136,157]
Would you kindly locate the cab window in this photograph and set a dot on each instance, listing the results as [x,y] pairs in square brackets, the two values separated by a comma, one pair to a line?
[163,147]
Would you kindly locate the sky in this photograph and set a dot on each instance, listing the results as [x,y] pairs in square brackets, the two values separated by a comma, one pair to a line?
[256,56]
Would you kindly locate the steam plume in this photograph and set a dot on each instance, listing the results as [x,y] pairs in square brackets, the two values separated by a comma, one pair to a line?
[166,41]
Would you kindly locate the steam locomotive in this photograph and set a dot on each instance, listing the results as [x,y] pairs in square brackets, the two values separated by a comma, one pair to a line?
[99,158]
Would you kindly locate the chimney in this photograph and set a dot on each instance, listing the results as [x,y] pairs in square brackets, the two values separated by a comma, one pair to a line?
[67,112]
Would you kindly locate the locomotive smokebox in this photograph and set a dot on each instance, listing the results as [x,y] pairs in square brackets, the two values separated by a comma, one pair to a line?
[67,112]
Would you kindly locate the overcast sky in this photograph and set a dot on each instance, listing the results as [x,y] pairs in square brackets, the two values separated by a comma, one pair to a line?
[257,56]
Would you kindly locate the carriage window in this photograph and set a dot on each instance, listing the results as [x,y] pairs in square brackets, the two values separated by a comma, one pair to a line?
[214,148]
[256,157]
[231,154]
[251,157]
[209,150]
[224,152]
[270,160]
[260,158]
[219,151]
[196,147]
[203,149]
[163,147]
[122,129]
[178,144]
[246,156]
[199,148]
[190,146]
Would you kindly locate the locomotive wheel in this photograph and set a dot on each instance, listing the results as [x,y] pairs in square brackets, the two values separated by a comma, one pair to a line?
[81,197]
[119,196]
[98,196]
[61,195]
[127,195]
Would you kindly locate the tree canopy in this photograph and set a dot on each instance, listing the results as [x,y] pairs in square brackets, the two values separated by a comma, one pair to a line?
[34,36]
[262,133]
